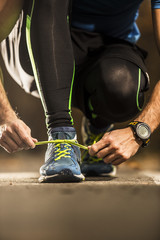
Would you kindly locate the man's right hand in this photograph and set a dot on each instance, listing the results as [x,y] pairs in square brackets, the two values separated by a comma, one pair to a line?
[15,135]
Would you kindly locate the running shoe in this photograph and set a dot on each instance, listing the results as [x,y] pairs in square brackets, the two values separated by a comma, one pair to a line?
[62,159]
[93,166]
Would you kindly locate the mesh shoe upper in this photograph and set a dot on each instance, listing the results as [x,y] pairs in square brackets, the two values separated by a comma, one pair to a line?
[60,156]
[91,165]
[92,135]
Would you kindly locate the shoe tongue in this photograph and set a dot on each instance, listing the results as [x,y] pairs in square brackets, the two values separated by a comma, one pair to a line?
[63,135]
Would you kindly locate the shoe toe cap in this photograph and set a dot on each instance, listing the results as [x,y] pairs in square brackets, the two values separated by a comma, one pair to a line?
[52,169]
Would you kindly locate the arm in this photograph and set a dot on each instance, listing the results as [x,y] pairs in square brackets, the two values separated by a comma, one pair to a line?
[151,113]
[119,145]
[9,12]
[15,135]
[156,26]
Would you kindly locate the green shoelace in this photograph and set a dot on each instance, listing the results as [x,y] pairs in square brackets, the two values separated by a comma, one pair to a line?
[92,140]
[72,142]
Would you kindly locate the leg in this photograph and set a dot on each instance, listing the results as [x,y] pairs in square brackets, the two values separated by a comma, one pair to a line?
[109,85]
[50,49]
[113,85]
[115,90]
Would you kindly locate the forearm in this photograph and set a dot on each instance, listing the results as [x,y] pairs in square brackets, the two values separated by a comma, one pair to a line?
[6,111]
[151,113]
[156,26]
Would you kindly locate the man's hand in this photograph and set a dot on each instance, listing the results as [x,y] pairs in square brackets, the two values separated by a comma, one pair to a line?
[15,135]
[116,146]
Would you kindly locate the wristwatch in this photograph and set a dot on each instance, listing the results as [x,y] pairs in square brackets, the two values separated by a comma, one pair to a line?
[142,131]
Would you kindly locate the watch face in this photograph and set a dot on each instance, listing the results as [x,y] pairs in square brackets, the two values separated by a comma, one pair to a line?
[143,131]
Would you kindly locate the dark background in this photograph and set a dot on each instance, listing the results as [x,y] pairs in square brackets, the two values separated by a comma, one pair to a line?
[31,112]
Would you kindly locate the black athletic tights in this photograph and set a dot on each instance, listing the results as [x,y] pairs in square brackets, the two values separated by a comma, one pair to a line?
[51,55]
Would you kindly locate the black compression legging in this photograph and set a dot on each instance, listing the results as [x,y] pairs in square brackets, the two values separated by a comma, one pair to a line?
[110,90]
[111,78]
[50,50]
[114,91]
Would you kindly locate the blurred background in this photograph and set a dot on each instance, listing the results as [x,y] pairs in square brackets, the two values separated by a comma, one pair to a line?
[31,112]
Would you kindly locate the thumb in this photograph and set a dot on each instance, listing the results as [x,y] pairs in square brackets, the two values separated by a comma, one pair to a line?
[92,150]
[34,140]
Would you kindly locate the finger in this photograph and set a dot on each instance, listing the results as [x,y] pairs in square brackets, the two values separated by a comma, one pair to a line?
[105,152]
[26,138]
[6,147]
[10,132]
[34,140]
[118,161]
[14,136]
[5,139]
[14,147]
[28,144]
[95,148]
[110,157]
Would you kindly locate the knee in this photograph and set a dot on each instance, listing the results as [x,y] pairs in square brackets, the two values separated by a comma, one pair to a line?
[121,89]
[116,79]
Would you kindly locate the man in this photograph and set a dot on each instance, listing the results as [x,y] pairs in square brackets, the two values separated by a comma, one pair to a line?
[109,87]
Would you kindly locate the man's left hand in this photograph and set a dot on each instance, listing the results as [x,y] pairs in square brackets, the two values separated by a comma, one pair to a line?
[116,146]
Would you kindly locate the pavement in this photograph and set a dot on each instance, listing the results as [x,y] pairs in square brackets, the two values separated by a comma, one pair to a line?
[123,207]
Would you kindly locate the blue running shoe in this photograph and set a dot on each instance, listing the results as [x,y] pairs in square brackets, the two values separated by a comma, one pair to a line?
[61,159]
[93,166]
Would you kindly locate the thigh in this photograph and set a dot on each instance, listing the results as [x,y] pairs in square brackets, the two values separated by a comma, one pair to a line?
[84,44]
[112,59]
[15,54]
[87,47]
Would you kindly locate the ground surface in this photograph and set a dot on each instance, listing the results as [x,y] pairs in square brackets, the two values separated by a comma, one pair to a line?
[125,207]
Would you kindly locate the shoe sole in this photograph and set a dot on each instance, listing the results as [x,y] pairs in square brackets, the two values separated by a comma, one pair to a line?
[64,176]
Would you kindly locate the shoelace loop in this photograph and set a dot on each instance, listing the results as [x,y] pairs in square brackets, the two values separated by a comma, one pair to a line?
[93,138]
